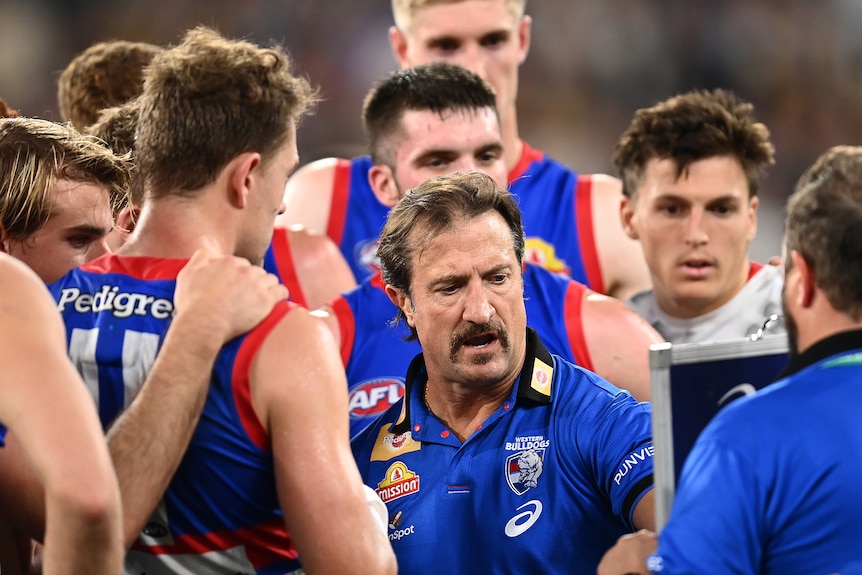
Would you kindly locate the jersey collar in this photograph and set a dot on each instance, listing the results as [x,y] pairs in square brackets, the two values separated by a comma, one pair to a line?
[832,345]
[534,383]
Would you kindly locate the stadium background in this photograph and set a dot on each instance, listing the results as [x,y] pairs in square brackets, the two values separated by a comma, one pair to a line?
[592,63]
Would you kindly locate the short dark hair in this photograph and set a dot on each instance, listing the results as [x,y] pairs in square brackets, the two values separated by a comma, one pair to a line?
[824,219]
[694,126]
[437,87]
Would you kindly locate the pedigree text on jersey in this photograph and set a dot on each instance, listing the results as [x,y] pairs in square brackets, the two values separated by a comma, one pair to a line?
[120,304]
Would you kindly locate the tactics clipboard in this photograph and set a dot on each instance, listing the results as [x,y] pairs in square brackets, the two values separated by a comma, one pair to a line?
[690,383]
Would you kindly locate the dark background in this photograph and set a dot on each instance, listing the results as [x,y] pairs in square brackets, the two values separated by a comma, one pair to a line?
[592,64]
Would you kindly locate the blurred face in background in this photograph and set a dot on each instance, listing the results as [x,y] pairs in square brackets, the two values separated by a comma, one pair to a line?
[429,144]
[480,35]
[694,231]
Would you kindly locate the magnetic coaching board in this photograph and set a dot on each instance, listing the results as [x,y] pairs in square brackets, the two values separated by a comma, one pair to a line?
[690,383]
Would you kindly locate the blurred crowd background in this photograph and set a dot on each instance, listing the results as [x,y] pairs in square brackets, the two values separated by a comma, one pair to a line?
[592,64]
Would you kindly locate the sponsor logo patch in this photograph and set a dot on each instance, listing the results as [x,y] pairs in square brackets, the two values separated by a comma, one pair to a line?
[391,445]
[538,251]
[398,482]
[542,376]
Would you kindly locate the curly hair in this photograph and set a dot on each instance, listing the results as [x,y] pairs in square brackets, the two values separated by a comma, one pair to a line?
[691,127]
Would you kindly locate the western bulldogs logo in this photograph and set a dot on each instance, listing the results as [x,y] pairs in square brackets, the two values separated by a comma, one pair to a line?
[524,468]
[372,397]
[366,254]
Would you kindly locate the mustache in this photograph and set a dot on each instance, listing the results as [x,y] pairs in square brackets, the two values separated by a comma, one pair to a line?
[477,329]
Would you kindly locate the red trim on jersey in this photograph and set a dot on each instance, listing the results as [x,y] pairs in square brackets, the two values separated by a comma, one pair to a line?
[346,325]
[586,235]
[575,294]
[528,156]
[338,201]
[141,267]
[248,349]
[286,267]
[755,267]
[263,544]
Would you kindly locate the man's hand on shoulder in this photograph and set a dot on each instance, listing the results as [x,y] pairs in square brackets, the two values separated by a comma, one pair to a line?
[226,295]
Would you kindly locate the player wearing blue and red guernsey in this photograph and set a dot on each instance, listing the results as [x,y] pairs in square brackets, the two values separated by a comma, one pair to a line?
[536,462]
[570,218]
[269,463]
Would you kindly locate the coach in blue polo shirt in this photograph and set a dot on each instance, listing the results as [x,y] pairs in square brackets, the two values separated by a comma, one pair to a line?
[501,457]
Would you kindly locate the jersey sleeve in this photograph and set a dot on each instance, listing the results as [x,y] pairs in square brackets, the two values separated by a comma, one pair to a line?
[612,434]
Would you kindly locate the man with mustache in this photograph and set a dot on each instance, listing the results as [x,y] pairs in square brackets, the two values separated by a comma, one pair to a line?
[690,167]
[772,484]
[486,397]
[436,119]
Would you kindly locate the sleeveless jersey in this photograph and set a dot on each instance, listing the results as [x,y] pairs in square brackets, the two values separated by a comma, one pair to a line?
[556,209]
[546,484]
[220,513]
[376,355]
[278,261]
[777,475]
[742,316]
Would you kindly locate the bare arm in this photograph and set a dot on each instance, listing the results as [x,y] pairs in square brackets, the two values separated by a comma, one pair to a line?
[621,258]
[46,406]
[322,271]
[149,439]
[618,340]
[300,392]
[308,196]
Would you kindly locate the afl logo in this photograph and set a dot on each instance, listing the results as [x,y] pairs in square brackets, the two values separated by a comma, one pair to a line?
[372,397]
[366,254]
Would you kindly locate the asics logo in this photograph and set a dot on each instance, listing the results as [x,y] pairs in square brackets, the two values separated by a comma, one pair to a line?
[737,390]
[525,519]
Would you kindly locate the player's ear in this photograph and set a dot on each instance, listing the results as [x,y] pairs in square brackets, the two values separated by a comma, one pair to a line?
[524,33]
[241,175]
[402,300]
[628,218]
[382,182]
[752,217]
[802,275]
[398,43]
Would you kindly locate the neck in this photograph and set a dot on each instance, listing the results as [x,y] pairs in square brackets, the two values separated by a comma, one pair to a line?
[512,144]
[464,410]
[821,322]
[175,227]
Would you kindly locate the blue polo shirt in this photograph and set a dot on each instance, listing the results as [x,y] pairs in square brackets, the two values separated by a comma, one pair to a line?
[547,484]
